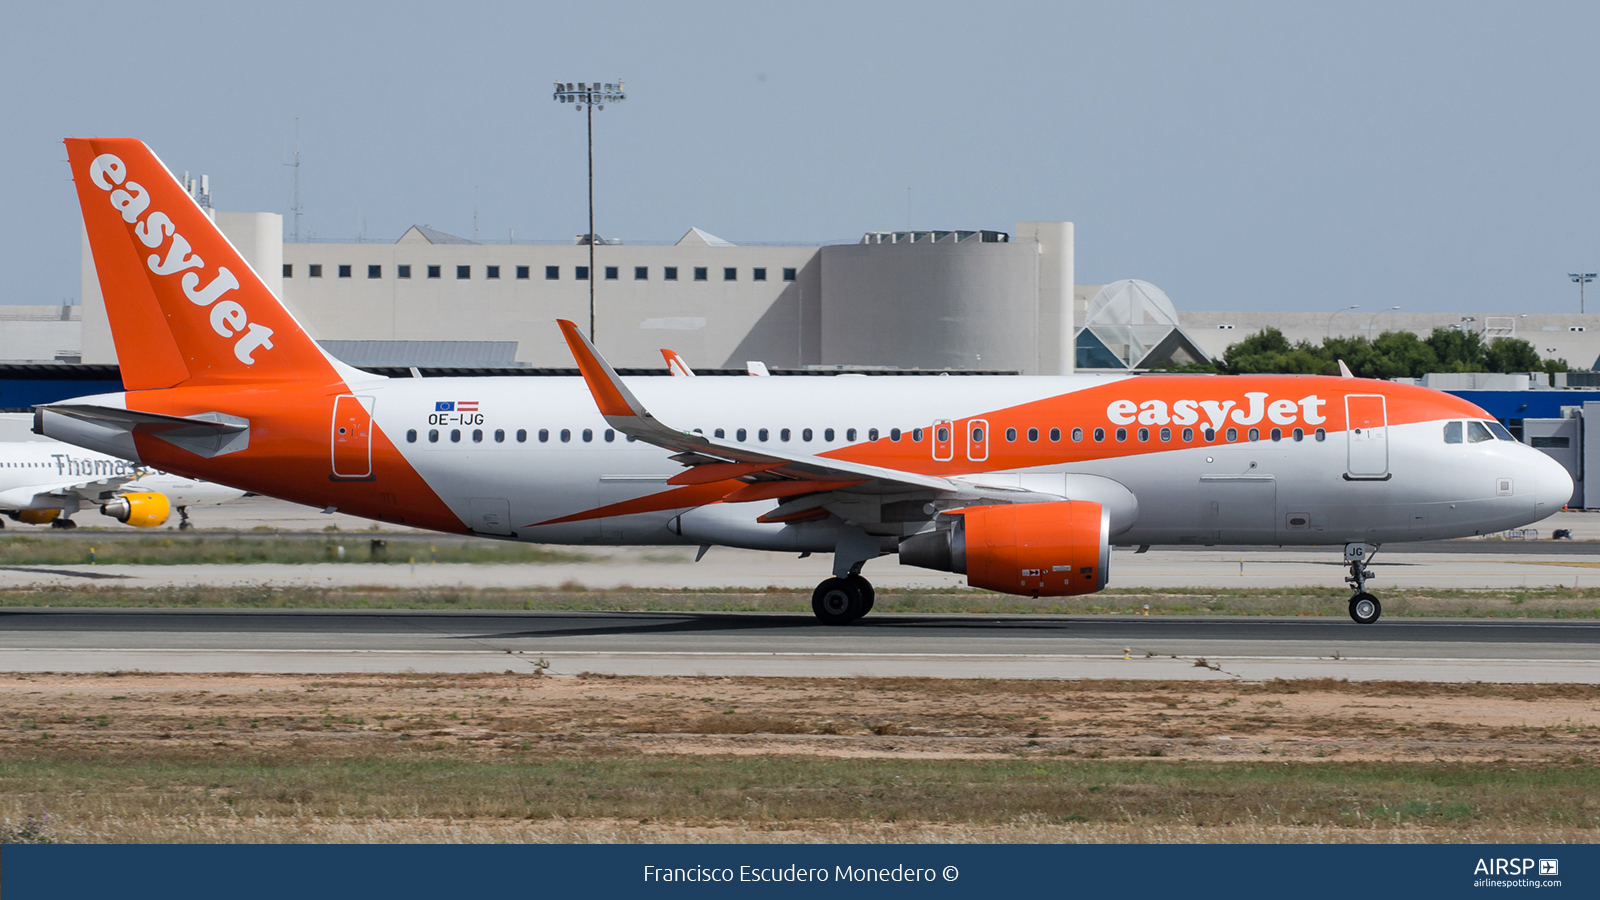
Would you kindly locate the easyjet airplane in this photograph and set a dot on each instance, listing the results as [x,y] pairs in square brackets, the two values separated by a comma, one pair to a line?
[1020,483]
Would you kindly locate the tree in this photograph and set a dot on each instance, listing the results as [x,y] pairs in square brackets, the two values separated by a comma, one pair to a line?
[1394,354]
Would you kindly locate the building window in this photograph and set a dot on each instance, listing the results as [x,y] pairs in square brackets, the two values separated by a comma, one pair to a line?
[374,271]
[670,273]
[463,272]
[730,274]
[701,273]
[344,271]
[522,273]
[788,274]
[758,274]
[491,271]
[288,270]
[402,271]
[552,273]
[315,270]
[641,273]
[611,273]
[581,273]
[435,271]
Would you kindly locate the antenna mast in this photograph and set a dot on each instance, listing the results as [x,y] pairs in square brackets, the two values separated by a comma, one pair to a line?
[296,166]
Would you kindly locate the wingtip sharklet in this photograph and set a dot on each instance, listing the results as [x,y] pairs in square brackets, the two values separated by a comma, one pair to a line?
[610,394]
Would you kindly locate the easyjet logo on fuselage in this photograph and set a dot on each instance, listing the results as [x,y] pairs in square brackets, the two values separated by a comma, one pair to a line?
[228,318]
[1219,412]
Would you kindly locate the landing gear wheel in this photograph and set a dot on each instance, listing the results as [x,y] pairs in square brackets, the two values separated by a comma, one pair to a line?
[63,523]
[1365,608]
[837,601]
[183,518]
[867,593]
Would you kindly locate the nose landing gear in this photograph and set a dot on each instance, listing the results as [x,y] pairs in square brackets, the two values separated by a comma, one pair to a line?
[1364,608]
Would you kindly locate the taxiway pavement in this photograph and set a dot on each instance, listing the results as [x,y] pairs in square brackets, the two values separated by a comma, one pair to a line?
[1255,648]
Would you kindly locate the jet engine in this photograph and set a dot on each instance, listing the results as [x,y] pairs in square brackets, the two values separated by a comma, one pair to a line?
[144,509]
[36,516]
[1033,549]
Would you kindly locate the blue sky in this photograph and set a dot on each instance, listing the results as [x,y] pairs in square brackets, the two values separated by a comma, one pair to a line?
[1439,156]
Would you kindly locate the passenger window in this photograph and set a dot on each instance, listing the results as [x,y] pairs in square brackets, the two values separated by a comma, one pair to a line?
[588,435]
[916,435]
[739,435]
[761,435]
[872,434]
[849,434]
[1077,435]
[1322,434]
[1122,434]
[411,436]
[477,435]
[499,435]
[1233,434]
[944,434]
[1299,434]
[977,435]
[827,435]
[1188,435]
[455,435]
[783,435]
[1144,434]
[1099,435]
[1452,432]
[433,435]
[1055,435]
[566,435]
[1476,433]
[1277,434]
[1166,435]
[544,435]
[1210,434]
[718,433]
[1255,434]
[612,435]
[805,434]
[1033,435]
[522,435]
[1011,434]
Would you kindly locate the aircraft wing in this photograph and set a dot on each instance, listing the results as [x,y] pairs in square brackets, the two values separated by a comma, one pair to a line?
[35,496]
[771,473]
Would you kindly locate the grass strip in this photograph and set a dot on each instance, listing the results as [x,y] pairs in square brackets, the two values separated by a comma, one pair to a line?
[535,783]
[233,549]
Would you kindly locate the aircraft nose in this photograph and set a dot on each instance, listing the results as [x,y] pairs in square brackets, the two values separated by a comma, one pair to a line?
[1552,486]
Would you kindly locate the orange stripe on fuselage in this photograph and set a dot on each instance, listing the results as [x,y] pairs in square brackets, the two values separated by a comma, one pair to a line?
[677,498]
[289,453]
[1152,397]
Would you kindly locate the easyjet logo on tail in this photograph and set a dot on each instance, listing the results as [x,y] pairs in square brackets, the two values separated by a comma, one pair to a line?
[228,318]
[1219,412]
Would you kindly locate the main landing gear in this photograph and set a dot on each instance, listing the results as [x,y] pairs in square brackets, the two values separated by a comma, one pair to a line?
[840,601]
[183,518]
[1364,608]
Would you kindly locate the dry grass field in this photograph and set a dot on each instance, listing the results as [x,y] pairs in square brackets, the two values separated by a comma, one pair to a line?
[139,757]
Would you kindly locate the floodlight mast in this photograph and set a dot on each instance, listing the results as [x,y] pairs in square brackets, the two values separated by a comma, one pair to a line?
[1582,278]
[589,97]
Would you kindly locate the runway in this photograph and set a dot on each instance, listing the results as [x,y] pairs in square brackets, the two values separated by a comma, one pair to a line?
[1255,648]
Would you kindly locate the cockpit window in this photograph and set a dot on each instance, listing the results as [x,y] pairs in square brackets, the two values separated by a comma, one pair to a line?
[1452,432]
[1476,433]
[1501,432]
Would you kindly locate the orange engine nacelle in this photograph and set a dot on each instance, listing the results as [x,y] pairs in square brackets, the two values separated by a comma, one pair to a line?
[142,509]
[1033,549]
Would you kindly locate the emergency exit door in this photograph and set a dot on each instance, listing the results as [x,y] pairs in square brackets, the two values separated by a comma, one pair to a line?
[352,437]
[1367,434]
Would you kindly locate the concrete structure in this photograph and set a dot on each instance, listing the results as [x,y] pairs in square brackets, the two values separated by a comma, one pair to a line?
[928,299]
[1574,337]
[41,334]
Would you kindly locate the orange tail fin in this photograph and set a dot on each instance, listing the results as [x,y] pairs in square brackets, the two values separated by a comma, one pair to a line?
[184,306]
